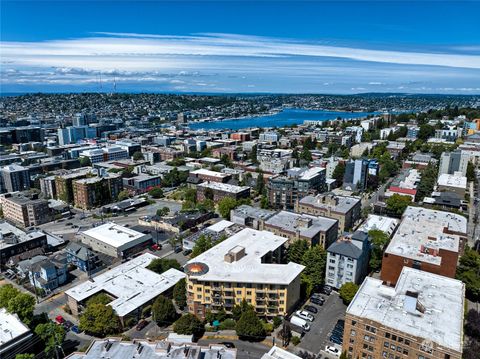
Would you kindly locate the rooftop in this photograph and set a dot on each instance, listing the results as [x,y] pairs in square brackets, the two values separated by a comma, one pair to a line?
[340,204]
[205,172]
[11,235]
[114,234]
[279,353]
[455,180]
[422,304]
[248,211]
[249,268]
[308,226]
[10,327]
[130,283]
[423,232]
[225,187]
[381,223]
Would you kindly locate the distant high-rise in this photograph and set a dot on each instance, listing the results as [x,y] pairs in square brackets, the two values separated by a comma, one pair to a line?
[14,178]
[451,162]
[355,177]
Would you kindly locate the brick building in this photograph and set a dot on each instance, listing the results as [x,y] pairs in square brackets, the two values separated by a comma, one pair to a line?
[96,191]
[220,190]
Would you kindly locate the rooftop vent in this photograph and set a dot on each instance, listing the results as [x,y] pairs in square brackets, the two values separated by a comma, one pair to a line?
[235,254]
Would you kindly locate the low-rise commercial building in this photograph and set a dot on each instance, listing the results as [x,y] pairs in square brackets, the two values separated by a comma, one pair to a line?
[211,176]
[249,216]
[142,183]
[380,223]
[426,239]
[347,260]
[106,154]
[247,266]
[130,285]
[452,183]
[217,191]
[345,209]
[421,317]
[315,230]
[115,240]
[15,337]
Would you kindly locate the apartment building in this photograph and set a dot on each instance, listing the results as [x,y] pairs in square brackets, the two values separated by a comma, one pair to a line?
[249,216]
[96,191]
[25,211]
[452,183]
[14,178]
[212,176]
[247,266]
[345,209]
[285,191]
[15,336]
[218,191]
[106,154]
[420,318]
[451,162]
[64,183]
[426,239]
[315,230]
[274,160]
[355,177]
[347,260]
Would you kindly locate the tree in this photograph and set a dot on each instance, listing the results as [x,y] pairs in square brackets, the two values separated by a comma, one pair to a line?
[99,320]
[161,265]
[296,251]
[347,291]
[470,172]
[208,194]
[190,194]
[472,324]
[162,212]
[378,240]
[52,335]
[306,155]
[180,293]
[7,292]
[138,156]
[425,132]
[397,204]
[468,272]
[241,308]
[25,356]
[202,244]
[189,324]
[264,202]
[85,161]
[427,182]
[225,205]
[163,311]
[314,260]
[22,305]
[339,172]
[226,161]
[122,195]
[156,192]
[100,298]
[249,327]
[206,205]
[260,182]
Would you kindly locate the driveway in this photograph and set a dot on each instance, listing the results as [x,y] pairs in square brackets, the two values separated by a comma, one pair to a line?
[315,340]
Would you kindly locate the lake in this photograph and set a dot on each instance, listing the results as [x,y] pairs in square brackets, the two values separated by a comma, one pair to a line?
[291,116]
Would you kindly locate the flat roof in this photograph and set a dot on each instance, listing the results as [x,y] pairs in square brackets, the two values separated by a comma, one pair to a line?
[205,172]
[245,211]
[456,180]
[225,187]
[381,223]
[131,283]
[279,353]
[336,203]
[307,225]
[11,235]
[11,327]
[441,297]
[423,228]
[249,268]
[220,226]
[113,234]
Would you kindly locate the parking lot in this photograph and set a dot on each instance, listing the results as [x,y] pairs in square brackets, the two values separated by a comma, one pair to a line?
[332,310]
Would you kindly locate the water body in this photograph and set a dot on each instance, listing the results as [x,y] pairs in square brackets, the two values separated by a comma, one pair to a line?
[291,116]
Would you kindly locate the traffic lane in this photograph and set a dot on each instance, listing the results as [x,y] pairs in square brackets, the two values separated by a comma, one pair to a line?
[245,350]
[332,310]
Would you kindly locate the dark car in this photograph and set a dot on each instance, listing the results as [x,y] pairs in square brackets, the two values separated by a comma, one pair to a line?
[228,344]
[142,324]
[67,325]
[311,309]
[186,252]
[75,329]
[326,289]
[317,300]
[335,339]
[337,332]
[178,249]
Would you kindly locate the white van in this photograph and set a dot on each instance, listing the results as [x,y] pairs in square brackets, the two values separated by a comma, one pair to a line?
[299,322]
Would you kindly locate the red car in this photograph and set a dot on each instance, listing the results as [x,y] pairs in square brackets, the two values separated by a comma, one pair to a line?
[59,319]
[156,247]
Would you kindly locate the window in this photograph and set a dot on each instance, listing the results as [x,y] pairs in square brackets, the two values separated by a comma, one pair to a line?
[407,342]
[352,340]
[332,260]
[207,290]
[354,322]
[239,292]
[386,344]
[387,335]
[199,296]
[394,337]
[352,332]
[249,292]
[350,349]
[199,289]
[405,352]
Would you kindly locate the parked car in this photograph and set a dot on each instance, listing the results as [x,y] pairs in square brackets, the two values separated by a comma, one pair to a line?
[141,324]
[68,223]
[304,315]
[187,252]
[311,309]
[299,322]
[326,289]
[228,344]
[75,329]
[59,319]
[317,300]
[67,325]
[332,350]
[336,339]
[156,247]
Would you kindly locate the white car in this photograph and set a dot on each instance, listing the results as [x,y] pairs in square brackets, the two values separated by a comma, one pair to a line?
[304,315]
[332,350]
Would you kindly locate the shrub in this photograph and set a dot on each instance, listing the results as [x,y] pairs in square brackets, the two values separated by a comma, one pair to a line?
[295,340]
[277,321]
[227,324]
[146,311]
[189,324]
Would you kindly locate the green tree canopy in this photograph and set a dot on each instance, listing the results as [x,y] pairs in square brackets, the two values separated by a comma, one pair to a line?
[99,320]
[241,308]
[52,335]
[348,291]
[468,272]
[85,161]
[397,204]
[156,192]
[189,324]
[249,326]
[23,305]
[161,265]
[180,293]
[470,172]
[338,172]
[138,156]
[379,240]
[162,212]
[163,311]
[225,205]
[428,180]
[425,132]
[202,244]
[314,260]
[100,298]
[7,292]
[25,356]
[122,195]
[296,251]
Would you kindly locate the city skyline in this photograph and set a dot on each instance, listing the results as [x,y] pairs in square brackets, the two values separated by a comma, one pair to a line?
[227,47]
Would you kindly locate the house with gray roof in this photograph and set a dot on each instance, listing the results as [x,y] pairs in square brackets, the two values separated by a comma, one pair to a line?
[347,260]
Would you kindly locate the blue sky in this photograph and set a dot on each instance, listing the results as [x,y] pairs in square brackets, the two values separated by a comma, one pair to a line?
[250,46]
